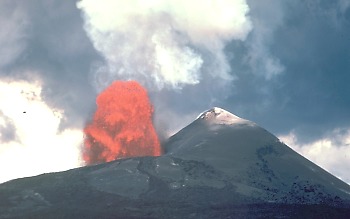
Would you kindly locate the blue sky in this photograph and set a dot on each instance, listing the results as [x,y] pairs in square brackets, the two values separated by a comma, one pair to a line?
[286,67]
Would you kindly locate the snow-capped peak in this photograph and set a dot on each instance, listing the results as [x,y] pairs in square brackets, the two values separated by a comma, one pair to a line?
[221,116]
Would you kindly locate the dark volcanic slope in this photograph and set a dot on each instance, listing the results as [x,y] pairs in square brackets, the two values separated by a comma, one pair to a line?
[220,166]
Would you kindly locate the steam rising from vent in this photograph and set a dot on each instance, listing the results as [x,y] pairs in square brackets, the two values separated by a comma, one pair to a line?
[163,43]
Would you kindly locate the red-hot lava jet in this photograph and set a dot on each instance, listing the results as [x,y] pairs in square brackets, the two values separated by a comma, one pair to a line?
[122,125]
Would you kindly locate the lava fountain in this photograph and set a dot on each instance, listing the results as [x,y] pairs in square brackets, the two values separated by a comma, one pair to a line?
[122,125]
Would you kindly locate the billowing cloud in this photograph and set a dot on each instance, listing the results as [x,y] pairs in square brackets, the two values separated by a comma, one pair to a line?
[32,143]
[48,38]
[164,43]
[7,129]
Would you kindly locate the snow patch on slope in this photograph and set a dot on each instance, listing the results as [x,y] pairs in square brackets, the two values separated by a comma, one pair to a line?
[217,115]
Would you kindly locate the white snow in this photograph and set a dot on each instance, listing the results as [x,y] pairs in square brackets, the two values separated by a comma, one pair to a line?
[221,116]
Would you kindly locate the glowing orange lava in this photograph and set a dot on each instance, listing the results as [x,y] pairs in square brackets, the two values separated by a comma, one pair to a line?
[122,125]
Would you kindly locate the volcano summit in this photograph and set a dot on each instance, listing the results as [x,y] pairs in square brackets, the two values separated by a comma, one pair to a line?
[219,166]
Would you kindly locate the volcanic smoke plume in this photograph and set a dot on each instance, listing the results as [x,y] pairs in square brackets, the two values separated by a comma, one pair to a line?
[122,125]
[164,43]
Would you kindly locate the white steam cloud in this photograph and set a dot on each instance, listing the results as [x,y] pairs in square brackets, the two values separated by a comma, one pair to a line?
[164,43]
[29,138]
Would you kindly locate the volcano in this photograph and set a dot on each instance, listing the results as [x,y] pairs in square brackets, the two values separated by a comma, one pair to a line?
[219,166]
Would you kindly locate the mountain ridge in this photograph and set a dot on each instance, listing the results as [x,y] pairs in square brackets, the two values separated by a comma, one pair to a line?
[258,152]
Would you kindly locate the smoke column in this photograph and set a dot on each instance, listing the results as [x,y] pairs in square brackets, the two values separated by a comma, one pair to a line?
[122,125]
[163,43]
